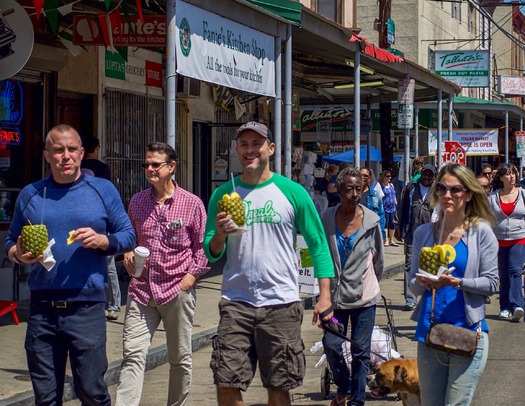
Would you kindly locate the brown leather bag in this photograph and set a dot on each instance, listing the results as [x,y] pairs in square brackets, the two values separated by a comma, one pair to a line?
[453,339]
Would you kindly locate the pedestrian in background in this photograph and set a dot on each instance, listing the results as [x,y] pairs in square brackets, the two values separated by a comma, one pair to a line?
[417,165]
[67,302]
[508,204]
[169,222]
[486,170]
[413,210]
[321,185]
[484,182]
[390,206]
[102,170]
[464,222]
[260,309]
[331,190]
[356,246]
[371,199]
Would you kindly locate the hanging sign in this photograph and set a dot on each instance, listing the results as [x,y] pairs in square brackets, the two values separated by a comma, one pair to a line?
[221,51]
[520,144]
[16,38]
[475,142]
[405,116]
[464,68]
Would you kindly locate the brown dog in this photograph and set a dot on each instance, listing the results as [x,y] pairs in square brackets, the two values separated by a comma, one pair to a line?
[397,375]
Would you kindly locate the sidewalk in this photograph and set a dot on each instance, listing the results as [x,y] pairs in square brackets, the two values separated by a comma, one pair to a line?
[15,386]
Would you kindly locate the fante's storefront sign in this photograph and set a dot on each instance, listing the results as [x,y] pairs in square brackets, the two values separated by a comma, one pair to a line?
[125,31]
[465,68]
[218,50]
[134,70]
[475,142]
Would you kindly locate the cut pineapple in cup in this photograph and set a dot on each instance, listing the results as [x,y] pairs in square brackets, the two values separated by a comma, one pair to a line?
[233,206]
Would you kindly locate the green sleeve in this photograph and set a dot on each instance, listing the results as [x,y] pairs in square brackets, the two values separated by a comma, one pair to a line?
[308,223]
[213,210]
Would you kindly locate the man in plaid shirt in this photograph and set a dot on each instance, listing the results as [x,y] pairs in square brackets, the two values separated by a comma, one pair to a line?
[170,222]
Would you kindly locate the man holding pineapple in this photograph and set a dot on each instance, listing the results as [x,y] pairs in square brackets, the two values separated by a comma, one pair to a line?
[260,309]
[85,218]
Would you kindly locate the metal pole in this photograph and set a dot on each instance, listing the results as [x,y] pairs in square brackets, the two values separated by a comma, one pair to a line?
[521,129]
[450,103]
[171,75]
[506,136]
[357,110]
[277,107]
[416,130]
[368,141]
[407,146]
[288,104]
[440,128]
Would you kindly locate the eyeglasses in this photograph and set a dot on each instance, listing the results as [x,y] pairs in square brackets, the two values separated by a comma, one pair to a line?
[442,189]
[487,173]
[154,165]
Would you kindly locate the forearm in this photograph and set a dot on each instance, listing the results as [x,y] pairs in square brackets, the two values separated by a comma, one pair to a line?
[217,245]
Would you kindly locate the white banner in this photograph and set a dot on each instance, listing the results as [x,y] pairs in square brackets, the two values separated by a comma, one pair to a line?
[475,142]
[217,50]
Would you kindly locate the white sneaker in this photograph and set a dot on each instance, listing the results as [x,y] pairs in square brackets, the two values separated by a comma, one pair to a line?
[504,314]
[517,314]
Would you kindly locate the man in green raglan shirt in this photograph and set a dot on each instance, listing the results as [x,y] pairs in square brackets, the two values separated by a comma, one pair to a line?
[260,308]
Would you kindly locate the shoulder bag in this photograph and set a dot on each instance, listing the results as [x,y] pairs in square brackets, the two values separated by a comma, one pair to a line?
[449,338]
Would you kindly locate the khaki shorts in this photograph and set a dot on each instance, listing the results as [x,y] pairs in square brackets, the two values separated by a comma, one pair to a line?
[270,335]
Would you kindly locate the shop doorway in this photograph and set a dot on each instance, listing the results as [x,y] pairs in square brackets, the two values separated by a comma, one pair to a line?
[202,161]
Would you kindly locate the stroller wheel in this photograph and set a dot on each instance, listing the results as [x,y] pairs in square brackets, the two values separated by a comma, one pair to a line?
[326,378]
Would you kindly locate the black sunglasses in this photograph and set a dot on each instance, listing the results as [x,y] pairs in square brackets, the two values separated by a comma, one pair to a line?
[154,165]
[456,190]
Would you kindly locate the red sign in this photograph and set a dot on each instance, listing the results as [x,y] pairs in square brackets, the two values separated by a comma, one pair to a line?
[453,152]
[150,33]
[10,136]
[153,74]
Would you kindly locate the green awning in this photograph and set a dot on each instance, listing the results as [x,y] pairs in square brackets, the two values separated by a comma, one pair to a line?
[287,9]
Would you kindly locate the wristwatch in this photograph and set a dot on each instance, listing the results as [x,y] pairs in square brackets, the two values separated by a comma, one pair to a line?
[460,284]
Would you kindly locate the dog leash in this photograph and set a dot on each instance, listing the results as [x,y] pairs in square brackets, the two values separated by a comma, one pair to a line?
[328,329]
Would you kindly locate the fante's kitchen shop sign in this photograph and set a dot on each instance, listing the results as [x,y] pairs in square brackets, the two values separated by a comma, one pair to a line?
[217,50]
[509,85]
[125,31]
[476,142]
[465,68]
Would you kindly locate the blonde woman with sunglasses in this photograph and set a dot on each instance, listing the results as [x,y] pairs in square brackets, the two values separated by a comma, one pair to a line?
[464,222]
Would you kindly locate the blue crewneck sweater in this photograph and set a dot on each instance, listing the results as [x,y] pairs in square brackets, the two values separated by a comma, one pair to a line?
[80,274]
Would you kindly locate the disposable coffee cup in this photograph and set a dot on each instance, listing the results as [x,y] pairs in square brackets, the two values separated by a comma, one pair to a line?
[141,254]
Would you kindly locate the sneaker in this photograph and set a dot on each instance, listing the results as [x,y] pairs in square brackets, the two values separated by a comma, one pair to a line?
[112,315]
[409,306]
[517,314]
[504,314]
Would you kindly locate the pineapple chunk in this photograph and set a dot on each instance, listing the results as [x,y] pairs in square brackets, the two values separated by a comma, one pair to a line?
[70,239]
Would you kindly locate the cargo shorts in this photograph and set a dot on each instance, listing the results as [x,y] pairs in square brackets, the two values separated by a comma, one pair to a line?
[269,335]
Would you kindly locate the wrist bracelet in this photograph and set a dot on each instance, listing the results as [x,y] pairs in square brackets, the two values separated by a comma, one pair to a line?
[16,260]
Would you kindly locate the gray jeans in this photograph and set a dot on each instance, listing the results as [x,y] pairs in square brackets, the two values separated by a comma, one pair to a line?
[113,298]
[409,296]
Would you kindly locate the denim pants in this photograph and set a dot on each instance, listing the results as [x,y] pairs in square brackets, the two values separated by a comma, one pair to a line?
[409,296]
[113,297]
[362,325]
[78,330]
[510,267]
[140,324]
[446,379]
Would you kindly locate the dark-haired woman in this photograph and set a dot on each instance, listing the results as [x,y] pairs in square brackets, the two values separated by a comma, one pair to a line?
[508,204]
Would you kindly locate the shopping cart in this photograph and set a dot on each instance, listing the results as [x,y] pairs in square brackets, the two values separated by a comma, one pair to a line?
[383,339]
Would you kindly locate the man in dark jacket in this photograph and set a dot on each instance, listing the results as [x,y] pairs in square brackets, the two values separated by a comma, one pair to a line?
[413,210]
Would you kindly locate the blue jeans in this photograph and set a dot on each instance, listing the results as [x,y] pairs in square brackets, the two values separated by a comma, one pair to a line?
[78,330]
[113,298]
[446,379]
[510,267]
[362,323]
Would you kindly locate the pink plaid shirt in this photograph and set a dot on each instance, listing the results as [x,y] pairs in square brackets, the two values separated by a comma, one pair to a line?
[173,232]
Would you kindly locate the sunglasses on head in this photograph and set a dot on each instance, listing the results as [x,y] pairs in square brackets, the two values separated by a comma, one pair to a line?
[154,165]
[456,190]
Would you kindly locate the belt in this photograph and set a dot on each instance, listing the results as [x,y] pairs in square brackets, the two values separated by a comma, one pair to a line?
[63,304]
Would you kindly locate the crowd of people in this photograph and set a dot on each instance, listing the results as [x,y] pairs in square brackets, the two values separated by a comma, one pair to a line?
[260,308]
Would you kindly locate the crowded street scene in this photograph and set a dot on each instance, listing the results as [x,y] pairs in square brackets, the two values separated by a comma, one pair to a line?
[261,202]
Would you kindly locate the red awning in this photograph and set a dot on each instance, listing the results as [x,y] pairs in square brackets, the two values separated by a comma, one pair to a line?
[375,52]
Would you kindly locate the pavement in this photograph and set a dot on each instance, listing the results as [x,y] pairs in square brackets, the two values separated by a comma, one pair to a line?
[15,385]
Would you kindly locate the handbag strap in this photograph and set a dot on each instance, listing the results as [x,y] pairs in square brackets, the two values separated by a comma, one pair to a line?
[432,313]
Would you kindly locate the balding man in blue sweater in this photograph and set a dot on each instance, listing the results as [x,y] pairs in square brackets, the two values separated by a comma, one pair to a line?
[67,315]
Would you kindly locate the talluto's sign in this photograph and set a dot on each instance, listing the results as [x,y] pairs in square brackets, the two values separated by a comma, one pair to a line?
[465,68]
